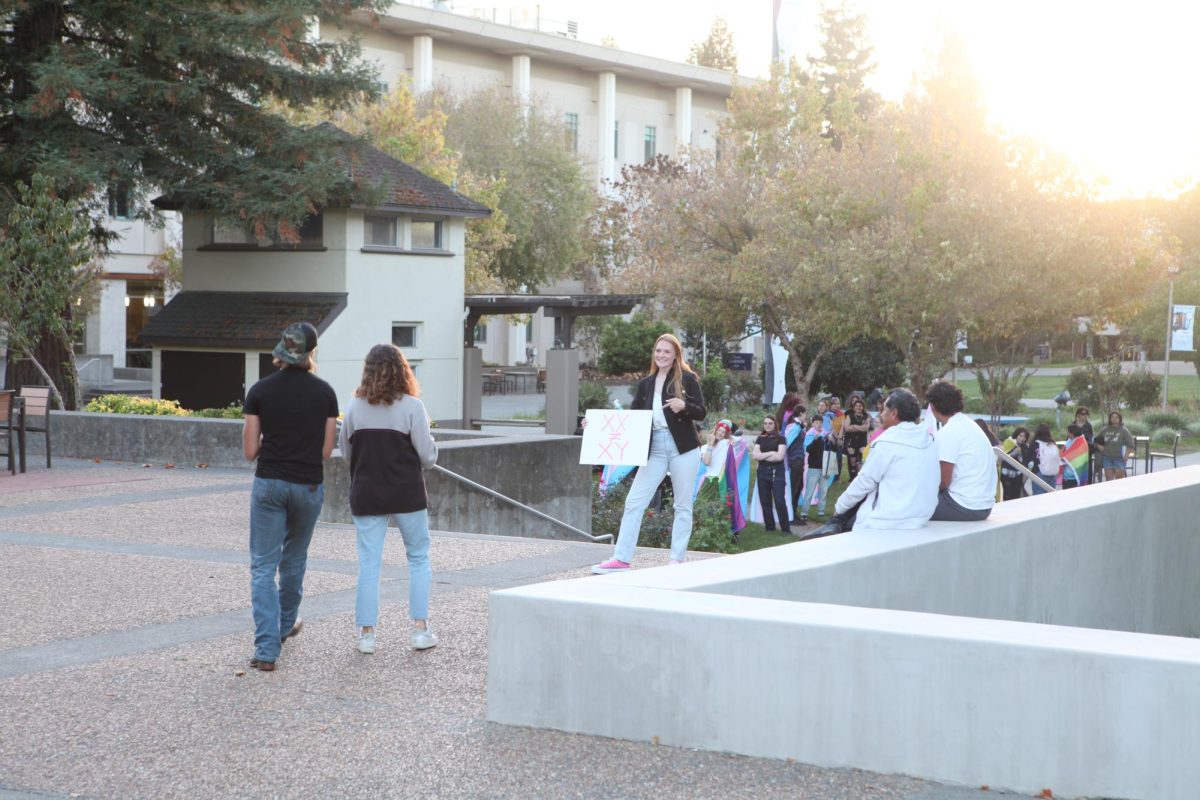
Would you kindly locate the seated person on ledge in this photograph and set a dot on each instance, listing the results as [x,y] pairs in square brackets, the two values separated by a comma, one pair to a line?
[968,487]
[897,487]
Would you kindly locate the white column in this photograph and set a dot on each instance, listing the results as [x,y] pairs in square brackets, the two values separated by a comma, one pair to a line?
[606,110]
[422,68]
[520,79]
[683,120]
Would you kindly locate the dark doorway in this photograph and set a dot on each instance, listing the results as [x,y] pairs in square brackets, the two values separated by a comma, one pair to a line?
[203,380]
[266,365]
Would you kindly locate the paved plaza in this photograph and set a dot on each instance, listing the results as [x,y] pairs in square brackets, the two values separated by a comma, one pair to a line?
[126,633]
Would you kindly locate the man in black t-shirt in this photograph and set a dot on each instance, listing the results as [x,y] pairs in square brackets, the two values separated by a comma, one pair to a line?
[291,424]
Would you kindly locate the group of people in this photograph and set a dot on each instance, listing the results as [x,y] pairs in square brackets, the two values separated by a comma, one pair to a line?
[913,474]
[291,425]
[1084,458]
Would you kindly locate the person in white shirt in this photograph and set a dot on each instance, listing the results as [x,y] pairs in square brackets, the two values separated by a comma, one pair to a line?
[968,484]
[897,487]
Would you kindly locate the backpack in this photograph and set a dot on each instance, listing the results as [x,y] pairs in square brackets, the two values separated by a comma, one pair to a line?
[1048,458]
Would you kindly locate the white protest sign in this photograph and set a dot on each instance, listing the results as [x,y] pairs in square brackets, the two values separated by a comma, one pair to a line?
[616,437]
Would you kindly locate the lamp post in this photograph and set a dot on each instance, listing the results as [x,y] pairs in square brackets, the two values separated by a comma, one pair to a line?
[1172,271]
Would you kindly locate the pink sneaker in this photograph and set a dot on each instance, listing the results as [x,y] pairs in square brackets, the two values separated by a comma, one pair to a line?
[612,565]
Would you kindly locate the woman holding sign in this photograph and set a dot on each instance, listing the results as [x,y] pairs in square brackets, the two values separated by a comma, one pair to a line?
[672,392]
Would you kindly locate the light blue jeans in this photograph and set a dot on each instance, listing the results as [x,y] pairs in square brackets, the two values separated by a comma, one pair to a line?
[814,486]
[414,528]
[282,518]
[664,457]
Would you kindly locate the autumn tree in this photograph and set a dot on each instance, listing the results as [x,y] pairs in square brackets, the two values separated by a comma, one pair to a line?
[170,97]
[717,49]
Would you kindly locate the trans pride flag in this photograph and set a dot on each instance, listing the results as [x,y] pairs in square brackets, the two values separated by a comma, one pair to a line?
[1076,455]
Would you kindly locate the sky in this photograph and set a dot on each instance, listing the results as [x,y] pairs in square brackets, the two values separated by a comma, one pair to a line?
[1105,83]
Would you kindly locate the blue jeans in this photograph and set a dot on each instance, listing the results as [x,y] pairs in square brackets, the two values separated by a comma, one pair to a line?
[282,518]
[414,528]
[664,457]
[814,487]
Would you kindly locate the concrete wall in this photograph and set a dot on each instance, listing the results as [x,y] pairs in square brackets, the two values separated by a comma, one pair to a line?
[669,654]
[540,471]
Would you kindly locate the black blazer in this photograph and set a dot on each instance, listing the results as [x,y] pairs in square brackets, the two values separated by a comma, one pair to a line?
[683,424]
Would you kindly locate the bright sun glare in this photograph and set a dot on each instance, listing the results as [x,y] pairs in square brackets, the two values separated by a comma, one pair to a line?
[1105,83]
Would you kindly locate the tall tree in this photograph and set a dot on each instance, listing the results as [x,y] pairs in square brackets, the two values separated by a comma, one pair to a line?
[840,71]
[717,49]
[169,97]
[47,265]
[544,191]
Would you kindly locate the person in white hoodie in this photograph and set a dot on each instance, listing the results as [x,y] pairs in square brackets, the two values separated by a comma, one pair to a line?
[897,487]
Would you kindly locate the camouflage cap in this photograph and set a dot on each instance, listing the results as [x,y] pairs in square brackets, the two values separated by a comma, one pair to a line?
[299,339]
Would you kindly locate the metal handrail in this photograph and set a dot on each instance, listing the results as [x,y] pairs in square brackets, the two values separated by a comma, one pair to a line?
[1014,463]
[607,537]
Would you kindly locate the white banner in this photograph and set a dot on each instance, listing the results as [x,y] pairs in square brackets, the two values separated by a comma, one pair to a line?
[616,437]
[1183,320]
[779,358]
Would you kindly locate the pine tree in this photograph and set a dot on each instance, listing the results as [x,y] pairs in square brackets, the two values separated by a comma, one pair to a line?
[841,70]
[168,97]
[717,49]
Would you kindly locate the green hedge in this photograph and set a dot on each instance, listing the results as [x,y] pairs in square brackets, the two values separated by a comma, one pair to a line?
[148,406]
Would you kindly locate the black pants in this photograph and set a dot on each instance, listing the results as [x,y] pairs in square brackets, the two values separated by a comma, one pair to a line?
[847,520]
[796,468]
[772,485]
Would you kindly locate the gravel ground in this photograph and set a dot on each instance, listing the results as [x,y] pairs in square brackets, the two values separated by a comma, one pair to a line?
[157,700]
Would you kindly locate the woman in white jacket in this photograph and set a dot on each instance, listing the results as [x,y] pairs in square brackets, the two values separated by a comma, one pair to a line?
[897,487]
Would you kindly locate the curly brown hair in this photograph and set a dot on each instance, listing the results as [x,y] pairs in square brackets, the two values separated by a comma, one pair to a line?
[386,376]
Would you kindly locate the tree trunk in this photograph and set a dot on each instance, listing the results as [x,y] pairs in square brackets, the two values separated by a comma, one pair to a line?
[49,363]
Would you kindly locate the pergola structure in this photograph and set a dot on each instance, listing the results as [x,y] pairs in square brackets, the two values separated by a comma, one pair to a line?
[562,361]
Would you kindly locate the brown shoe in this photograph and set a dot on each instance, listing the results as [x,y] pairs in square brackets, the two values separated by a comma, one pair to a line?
[262,666]
[294,631]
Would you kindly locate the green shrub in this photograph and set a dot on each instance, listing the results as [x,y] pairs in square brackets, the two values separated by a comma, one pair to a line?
[975,405]
[714,385]
[1163,436]
[1136,427]
[1140,389]
[231,411]
[747,417]
[744,388]
[131,404]
[593,394]
[627,346]
[1165,419]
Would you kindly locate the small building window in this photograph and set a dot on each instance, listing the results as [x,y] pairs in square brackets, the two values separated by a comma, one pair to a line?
[426,234]
[481,333]
[119,205]
[312,231]
[616,139]
[651,143]
[380,231]
[572,123]
[228,231]
[404,334]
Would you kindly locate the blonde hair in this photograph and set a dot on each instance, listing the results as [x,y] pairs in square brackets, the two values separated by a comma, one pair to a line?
[677,369]
[308,363]
[386,376]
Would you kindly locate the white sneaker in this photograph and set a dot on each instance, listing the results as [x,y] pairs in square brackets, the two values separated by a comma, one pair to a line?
[423,640]
[366,643]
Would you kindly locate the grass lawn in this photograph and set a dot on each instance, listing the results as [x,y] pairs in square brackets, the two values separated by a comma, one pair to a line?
[755,537]
[1044,387]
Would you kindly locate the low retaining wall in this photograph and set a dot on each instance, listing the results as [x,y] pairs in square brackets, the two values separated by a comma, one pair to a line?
[540,471]
[941,653]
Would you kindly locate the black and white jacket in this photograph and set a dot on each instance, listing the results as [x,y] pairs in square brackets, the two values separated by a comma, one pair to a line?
[683,424]
[387,446]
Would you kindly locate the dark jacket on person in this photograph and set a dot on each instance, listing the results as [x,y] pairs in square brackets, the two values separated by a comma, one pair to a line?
[387,446]
[683,424]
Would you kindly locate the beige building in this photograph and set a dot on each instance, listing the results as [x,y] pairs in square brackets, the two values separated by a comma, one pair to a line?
[617,107]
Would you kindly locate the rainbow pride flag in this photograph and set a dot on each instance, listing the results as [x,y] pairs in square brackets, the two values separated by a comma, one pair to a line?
[1075,454]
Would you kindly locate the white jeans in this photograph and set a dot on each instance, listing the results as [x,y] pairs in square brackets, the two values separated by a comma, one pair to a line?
[664,457]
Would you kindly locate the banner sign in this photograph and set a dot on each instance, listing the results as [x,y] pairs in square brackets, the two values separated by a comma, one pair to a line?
[616,437]
[1183,320]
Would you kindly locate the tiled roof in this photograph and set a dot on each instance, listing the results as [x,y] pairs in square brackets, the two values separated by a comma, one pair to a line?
[238,319]
[409,189]
[402,187]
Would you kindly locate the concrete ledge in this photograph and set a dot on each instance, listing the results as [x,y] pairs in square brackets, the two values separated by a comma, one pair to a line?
[885,651]
[538,470]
